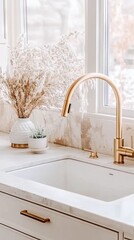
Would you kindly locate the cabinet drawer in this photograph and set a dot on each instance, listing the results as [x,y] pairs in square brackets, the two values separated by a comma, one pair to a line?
[8,233]
[60,226]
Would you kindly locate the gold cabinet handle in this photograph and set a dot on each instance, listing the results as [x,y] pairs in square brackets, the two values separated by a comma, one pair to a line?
[30,215]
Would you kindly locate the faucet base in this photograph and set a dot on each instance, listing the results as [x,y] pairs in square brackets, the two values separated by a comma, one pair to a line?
[119,162]
[120,151]
[118,156]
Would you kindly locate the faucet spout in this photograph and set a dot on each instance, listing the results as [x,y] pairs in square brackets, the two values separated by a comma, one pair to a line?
[119,150]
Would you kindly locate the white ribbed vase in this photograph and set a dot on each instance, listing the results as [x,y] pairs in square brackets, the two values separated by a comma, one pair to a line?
[20,132]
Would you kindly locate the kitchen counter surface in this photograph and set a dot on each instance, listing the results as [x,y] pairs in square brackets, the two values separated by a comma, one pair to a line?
[117,214]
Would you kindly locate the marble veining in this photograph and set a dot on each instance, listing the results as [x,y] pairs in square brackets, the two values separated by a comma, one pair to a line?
[77,130]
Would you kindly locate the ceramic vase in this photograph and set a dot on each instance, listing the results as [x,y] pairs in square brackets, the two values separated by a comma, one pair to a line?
[20,132]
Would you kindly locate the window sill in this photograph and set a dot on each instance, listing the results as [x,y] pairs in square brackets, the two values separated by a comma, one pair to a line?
[99,116]
[110,117]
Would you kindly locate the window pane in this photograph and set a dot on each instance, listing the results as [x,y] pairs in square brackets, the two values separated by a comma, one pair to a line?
[121,51]
[47,20]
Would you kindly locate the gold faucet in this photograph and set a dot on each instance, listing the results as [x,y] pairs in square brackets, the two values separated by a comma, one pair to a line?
[119,150]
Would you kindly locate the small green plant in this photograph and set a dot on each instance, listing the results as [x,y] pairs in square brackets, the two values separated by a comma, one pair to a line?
[38,133]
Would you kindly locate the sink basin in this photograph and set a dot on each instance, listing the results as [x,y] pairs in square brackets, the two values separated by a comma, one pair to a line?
[82,178]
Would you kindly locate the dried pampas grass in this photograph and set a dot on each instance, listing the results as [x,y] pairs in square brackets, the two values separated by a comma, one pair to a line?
[23,93]
[40,76]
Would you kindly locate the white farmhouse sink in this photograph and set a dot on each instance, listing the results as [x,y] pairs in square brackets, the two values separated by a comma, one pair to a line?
[80,177]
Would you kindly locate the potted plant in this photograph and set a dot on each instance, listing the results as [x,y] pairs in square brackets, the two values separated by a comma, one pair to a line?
[24,93]
[38,140]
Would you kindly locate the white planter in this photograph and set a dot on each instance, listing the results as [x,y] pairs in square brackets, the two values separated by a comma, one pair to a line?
[38,145]
[20,132]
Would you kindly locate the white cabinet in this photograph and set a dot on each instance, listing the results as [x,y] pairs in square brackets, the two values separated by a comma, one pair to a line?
[8,233]
[57,226]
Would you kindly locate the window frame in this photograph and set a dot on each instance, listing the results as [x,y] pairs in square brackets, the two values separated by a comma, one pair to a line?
[103,65]
[13,16]
[3,45]
[3,30]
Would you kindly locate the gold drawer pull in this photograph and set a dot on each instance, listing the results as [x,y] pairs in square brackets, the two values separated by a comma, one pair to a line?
[30,215]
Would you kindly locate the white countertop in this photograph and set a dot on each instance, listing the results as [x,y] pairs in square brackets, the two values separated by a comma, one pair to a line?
[117,215]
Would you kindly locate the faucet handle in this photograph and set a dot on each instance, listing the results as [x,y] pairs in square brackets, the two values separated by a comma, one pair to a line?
[93,154]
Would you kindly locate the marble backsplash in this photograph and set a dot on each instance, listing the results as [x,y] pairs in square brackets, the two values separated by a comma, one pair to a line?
[77,130]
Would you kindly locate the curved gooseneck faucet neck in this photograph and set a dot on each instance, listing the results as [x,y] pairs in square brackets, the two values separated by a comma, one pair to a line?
[105,78]
[119,150]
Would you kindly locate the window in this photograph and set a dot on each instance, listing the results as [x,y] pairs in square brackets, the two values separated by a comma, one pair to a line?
[119,52]
[109,45]
[46,21]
